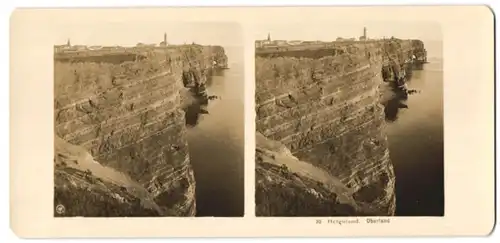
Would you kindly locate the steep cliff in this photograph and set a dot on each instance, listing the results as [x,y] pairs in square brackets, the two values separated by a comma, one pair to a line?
[323,103]
[124,109]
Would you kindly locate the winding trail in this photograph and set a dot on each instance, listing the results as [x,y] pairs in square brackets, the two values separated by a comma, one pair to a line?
[283,156]
[78,158]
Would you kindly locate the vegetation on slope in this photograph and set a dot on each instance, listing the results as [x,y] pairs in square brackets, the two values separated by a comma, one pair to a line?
[86,188]
[286,186]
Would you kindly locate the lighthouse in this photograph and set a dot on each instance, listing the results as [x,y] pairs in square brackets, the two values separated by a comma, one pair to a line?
[164,42]
[363,37]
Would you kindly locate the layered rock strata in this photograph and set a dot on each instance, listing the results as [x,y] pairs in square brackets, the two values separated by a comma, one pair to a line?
[322,102]
[122,112]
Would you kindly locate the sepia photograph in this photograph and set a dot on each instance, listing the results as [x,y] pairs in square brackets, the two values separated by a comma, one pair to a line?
[373,121]
[149,120]
[349,121]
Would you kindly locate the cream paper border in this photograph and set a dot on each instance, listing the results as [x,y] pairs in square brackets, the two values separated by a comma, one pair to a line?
[468,105]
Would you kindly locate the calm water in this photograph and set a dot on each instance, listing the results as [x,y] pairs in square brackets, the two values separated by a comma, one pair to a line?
[216,143]
[415,134]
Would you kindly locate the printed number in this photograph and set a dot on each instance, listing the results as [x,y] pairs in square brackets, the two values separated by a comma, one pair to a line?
[318,221]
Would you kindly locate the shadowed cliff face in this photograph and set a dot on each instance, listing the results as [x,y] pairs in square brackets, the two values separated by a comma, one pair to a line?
[323,104]
[126,115]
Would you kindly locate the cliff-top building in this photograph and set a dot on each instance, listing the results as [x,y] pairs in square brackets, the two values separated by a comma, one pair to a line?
[60,48]
[363,37]
[261,43]
[164,42]
[275,43]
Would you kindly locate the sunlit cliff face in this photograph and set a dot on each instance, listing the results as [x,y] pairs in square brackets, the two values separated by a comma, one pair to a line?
[128,115]
[323,104]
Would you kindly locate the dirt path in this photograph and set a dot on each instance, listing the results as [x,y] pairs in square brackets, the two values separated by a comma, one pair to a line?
[77,157]
[303,169]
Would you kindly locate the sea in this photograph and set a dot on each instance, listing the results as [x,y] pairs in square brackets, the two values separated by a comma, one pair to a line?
[216,142]
[416,140]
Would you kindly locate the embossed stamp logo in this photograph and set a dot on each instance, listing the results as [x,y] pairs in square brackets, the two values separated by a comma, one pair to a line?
[60,209]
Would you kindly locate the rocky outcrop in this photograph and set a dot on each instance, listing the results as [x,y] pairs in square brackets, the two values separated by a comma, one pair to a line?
[196,71]
[399,58]
[323,103]
[123,109]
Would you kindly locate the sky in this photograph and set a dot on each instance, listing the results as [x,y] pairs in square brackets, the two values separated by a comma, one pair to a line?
[131,33]
[231,33]
[326,31]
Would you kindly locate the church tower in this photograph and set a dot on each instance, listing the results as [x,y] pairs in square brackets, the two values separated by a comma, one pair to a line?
[69,43]
[268,36]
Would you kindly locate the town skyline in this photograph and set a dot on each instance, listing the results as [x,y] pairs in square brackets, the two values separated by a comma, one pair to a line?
[130,34]
[425,31]
[164,42]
